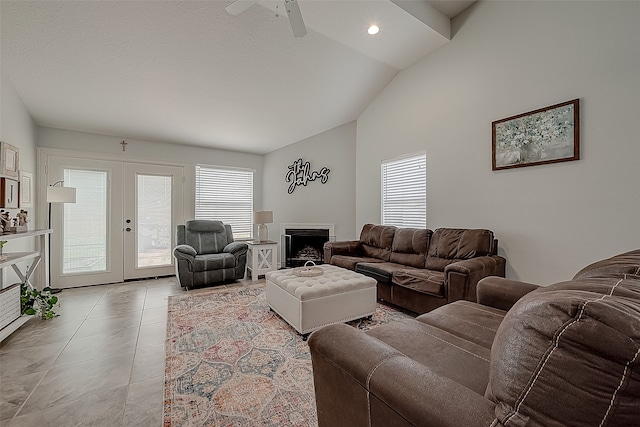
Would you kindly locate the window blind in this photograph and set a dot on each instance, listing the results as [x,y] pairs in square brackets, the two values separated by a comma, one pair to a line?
[226,194]
[404,191]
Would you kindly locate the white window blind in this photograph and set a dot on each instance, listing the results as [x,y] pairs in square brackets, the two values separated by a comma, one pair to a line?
[404,191]
[226,194]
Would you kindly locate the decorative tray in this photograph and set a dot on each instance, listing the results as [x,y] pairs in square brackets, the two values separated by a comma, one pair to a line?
[308,270]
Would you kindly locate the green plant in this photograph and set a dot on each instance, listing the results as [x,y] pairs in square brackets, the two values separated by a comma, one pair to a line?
[41,303]
[2,242]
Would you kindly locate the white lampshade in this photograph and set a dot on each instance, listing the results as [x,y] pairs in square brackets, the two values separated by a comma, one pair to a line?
[263,217]
[61,194]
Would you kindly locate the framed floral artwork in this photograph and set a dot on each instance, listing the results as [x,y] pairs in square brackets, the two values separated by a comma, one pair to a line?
[546,135]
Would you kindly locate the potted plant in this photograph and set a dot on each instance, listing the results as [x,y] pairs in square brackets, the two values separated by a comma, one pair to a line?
[35,302]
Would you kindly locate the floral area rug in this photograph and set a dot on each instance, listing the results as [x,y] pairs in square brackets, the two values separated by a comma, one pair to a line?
[230,361]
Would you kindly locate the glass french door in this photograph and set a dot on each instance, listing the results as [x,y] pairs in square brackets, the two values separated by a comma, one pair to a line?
[152,210]
[121,226]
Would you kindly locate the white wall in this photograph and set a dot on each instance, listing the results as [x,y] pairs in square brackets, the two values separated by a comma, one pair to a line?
[508,58]
[158,151]
[17,128]
[330,203]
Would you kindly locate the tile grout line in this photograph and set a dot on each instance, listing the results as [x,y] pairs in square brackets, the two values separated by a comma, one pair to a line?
[133,361]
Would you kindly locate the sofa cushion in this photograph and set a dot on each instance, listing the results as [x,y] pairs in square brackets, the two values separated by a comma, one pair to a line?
[577,341]
[468,320]
[410,246]
[350,262]
[449,245]
[421,280]
[377,240]
[206,237]
[619,265]
[443,353]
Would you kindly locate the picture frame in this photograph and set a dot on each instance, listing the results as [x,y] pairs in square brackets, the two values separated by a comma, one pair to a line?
[538,137]
[26,189]
[9,193]
[10,160]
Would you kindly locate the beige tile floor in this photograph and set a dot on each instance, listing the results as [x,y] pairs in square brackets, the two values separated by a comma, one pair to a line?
[100,363]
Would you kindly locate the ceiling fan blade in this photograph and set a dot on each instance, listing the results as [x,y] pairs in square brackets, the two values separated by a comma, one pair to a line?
[239,6]
[295,18]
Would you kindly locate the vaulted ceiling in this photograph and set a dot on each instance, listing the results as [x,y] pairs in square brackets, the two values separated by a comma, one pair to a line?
[189,72]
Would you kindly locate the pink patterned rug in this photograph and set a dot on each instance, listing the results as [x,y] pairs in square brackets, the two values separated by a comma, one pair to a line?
[230,361]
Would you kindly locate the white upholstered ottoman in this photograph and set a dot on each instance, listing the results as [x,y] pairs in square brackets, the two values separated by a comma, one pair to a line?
[309,303]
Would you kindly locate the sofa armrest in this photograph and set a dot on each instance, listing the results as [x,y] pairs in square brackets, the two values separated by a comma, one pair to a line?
[236,248]
[361,381]
[502,293]
[185,256]
[347,247]
[461,277]
[184,251]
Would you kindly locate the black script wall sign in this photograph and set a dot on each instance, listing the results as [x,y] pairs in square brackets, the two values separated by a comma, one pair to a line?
[299,174]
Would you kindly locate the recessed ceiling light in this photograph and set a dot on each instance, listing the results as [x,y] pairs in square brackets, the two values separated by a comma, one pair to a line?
[373,30]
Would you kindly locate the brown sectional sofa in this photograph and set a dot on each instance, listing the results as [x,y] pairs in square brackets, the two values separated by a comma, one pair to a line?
[420,269]
[523,355]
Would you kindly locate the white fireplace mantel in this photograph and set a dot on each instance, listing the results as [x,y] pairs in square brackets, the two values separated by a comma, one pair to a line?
[330,227]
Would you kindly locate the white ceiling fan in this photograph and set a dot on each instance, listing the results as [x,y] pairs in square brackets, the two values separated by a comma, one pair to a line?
[291,6]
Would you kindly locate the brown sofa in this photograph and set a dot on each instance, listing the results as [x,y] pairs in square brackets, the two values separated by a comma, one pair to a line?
[420,269]
[562,355]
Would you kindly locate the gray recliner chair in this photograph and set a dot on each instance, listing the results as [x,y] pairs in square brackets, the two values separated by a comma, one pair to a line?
[206,254]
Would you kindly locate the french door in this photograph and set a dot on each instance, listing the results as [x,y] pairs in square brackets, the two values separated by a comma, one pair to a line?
[122,225]
[152,210]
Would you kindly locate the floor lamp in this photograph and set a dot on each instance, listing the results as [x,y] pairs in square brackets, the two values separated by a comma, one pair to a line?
[57,194]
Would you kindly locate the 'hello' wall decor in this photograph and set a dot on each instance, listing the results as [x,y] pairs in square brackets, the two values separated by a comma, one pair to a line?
[299,173]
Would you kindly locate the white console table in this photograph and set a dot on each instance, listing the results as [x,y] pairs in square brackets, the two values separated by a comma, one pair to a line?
[262,257]
[10,318]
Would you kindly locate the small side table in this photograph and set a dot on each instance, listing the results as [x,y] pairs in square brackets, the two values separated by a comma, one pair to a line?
[262,257]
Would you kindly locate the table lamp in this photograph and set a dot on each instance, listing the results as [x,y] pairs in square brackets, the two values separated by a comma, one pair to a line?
[261,218]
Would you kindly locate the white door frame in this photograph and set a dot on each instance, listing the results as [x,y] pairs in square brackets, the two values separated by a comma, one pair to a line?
[113,269]
[42,181]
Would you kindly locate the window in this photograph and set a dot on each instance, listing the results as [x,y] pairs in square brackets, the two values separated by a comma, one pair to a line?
[404,191]
[226,194]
